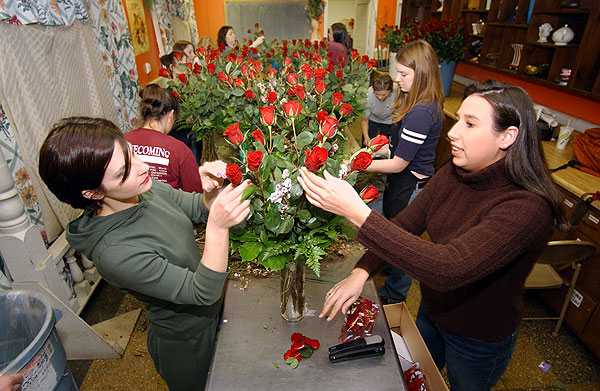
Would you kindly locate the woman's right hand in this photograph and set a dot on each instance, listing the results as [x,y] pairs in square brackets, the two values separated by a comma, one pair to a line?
[344,293]
[227,209]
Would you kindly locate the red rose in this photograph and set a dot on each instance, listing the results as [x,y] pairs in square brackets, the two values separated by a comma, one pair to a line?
[257,66]
[315,158]
[346,109]
[361,161]
[163,72]
[287,62]
[267,114]
[239,83]
[337,98]
[176,95]
[254,160]
[292,108]
[340,60]
[320,87]
[292,78]
[231,57]
[300,91]
[291,92]
[364,59]
[258,136]
[378,142]
[340,74]
[234,134]
[178,55]
[328,129]
[330,67]
[354,54]
[211,67]
[249,94]
[307,71]
[234,174]
[245,70]
[272,72]
[369,194]
[197,69]
[272,96]
[371,64]
[222,77]
[182,77]
[321,117]
[320,73]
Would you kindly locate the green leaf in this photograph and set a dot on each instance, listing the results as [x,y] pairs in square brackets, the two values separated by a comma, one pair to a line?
[306,352]
[304,215]
[275,364]
[248,192]
[289,360]
[303,139]
[296,191]
[294,363]
[228,67]
[286,226]
[264,237]
[250,250]
[273,220]
[246,237]
[277,262]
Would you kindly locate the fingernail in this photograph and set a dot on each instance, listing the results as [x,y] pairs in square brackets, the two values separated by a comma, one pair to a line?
[248,181]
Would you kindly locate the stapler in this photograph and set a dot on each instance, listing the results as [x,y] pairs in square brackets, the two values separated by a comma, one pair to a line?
[359,348]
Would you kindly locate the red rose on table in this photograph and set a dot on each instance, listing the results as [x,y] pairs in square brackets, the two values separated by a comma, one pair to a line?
[315,158]
[369,194]
[258,136]
[234,134]
[346,109]
[234,174]
[254,160]
[328,129]
[163,72]
[211,68]
[249,94]
[267,114]
[300,91]
[222,77]
[321,117]
[292,108]
[320,73]
[320,87]
[272,96]
[182,77]
[378,142]
[337,98]
[292,78]
[361,161]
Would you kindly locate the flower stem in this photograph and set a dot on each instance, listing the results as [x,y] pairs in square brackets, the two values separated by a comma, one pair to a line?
[295,143]
[260,186]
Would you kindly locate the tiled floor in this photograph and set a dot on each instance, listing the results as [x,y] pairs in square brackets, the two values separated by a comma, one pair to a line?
[572,366]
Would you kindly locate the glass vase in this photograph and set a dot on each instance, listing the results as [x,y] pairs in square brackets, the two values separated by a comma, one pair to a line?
[292,292]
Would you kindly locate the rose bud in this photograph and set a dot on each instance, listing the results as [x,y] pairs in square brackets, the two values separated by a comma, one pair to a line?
[315,159]
[254,160]
[234,174]
[361,161]
[268,115]
[292,79]
[378,142]
[164,72]
[258,136]
[249,94]
[337,98]
[346,109]
[234,134]
[329,129]
[369,194]
[292,108]
[182,77]
[271,96]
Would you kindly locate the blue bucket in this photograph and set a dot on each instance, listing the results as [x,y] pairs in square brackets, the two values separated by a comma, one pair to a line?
[29,343]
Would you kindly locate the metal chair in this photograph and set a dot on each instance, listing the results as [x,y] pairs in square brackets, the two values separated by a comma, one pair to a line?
[562,253]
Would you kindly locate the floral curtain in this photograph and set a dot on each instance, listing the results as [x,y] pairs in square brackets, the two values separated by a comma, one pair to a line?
[165,26]
[46,12]
[23,183]
[109,26]
[164,13]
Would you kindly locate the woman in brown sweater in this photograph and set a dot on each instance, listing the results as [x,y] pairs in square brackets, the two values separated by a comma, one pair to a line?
[489,214]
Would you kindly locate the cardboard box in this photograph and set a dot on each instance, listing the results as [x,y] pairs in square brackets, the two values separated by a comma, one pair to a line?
[400,322]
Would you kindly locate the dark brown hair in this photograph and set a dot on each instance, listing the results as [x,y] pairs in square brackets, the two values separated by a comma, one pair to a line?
[340,35]
[525,165]
[74,157]
[221,35]
[155,103]
[169,61]
[383,83]
[180,45]
[426,86]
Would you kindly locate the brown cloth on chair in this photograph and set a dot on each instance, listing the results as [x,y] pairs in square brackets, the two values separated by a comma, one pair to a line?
[586,148]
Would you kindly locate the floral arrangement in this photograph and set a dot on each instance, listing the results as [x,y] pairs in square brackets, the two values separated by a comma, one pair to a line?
[280,116]
[447,37]
[314,8]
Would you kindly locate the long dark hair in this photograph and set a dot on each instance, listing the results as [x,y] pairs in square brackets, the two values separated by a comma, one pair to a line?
[525,165]
[340,35]
[221,35]
[155,103]
[74,157]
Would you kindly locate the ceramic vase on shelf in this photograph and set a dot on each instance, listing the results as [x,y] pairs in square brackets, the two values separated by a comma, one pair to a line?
[447,74]
[293,302]
[563,35]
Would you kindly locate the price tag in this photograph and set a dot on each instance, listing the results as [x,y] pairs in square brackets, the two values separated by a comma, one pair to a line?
[576,298]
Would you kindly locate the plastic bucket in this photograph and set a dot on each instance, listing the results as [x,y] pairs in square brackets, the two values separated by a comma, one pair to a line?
[29,343]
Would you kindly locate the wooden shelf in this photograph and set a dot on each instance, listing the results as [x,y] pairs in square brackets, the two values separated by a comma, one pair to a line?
[551,45]
[562,12]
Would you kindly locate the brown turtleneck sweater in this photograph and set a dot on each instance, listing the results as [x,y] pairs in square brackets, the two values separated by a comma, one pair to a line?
[486,234]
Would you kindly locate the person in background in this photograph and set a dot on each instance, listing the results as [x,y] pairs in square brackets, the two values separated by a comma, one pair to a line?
[338,41]
[489,213]
[11,382]
[170,160]
[171,64]
[206,42]
[378,108]
[189,51]
[140,235]
[226,37]
[417,123]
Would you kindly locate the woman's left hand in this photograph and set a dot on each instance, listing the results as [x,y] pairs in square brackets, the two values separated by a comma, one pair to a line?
[212,175]
[259,41]
[334,195]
